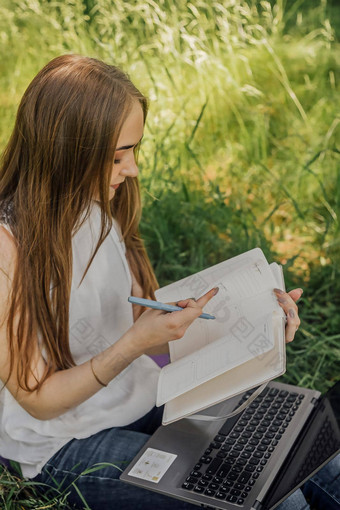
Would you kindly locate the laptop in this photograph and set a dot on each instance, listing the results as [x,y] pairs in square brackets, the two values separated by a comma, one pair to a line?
[253,460]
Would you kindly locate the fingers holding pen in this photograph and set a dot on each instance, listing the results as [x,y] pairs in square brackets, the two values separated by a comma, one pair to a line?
[194,307]
[201,302]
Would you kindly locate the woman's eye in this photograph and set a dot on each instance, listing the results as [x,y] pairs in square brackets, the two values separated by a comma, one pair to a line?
[116,161]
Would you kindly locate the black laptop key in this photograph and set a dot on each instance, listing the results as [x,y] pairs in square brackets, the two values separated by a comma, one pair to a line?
[250,468]
[291,399]
[205,460]
[219,439]
[214,465]
[209,492]
[228,425]
[245,455]
[231,499]
[229,440]
[203,483]
[191,479]
[207,477]
[241,462]
[198,488]
[224,470]
[221,455]
[249,448]
[232,475]
[224,489]
[215,445]
[236,468]
[188,486]
[196,473]
[217,479]
[220,495]
[283,393]
[244,477]
[235,492]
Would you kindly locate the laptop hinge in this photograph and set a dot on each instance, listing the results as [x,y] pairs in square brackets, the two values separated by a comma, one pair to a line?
[314,401]
[257,505]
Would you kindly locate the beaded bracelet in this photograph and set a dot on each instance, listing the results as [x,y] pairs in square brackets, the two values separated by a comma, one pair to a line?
[95,375]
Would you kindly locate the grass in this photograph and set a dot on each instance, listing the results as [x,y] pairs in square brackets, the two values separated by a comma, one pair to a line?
[241,144]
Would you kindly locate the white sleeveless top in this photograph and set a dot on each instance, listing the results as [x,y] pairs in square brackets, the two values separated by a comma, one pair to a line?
[99,315]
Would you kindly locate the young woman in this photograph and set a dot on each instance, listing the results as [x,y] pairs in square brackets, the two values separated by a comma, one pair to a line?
[78,384]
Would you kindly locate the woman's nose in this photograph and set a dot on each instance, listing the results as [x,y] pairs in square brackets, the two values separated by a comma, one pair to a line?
[130,169]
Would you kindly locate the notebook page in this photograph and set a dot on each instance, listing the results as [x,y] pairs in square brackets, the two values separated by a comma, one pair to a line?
[246,287]
[231,383]
[244,343]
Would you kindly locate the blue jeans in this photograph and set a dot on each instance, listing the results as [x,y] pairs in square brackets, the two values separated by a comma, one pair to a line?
[117,446]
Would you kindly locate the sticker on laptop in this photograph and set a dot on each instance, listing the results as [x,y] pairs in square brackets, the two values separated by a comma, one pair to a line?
[152,465]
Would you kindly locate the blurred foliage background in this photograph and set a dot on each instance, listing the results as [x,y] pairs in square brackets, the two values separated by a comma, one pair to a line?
[241,147]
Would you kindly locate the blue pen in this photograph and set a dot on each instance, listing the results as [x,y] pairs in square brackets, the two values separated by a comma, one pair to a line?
[162,306]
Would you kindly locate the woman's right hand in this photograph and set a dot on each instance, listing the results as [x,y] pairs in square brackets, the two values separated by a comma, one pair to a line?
[155,327]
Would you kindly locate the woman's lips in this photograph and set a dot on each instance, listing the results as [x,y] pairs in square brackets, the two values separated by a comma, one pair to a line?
[115,186]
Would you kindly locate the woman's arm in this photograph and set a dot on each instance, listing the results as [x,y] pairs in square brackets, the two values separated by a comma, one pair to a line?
[137,291]
[65,389]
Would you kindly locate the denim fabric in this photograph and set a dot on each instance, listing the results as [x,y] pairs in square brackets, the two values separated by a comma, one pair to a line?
[117,446]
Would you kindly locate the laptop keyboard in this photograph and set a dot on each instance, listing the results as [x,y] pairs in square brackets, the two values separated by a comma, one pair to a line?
[230,466]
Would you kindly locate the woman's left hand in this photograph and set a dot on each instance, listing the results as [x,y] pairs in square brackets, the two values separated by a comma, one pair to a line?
[287,301]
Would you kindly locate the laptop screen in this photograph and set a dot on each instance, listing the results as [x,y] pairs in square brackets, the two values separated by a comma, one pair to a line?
[318,442]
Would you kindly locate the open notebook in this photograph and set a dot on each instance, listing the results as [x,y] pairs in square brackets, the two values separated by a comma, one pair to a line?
[239,350]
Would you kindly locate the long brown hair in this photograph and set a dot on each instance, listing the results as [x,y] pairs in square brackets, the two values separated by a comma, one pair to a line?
[59,156]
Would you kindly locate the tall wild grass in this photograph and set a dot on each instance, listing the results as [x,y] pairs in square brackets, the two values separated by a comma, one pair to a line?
[241,146]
